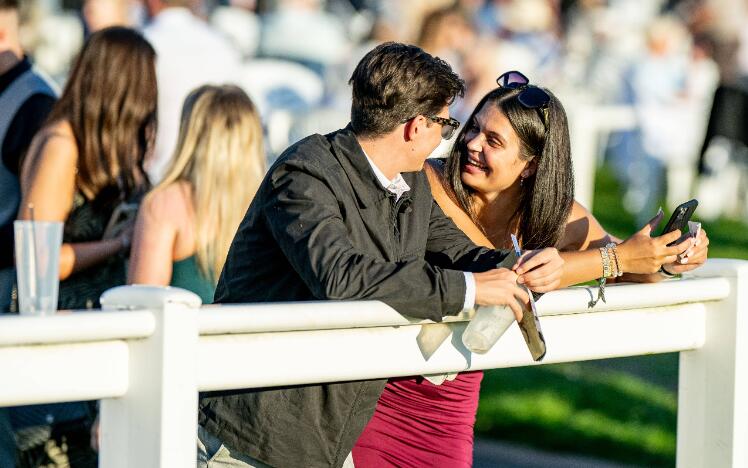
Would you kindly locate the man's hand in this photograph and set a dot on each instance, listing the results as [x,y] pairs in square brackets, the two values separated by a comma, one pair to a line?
[540,270]
[499,287]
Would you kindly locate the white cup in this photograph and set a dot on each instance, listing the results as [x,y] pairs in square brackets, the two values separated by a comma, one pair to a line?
[38,265]
[486,327]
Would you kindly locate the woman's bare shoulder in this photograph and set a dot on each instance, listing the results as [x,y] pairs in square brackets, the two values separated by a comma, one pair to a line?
[60,128]
[55,148]
[440,189]
[434,169]
[168,202]
[582,229]
[578,211]
[58,133]
[54,139]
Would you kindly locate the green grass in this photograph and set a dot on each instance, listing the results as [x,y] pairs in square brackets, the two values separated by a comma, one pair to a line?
[581,408]
[618,409]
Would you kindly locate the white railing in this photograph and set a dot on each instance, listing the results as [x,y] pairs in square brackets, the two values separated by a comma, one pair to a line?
[147,364]
[590,125]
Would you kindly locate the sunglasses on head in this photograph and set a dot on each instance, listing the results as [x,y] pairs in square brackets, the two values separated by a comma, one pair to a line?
[531,96]
[448,125]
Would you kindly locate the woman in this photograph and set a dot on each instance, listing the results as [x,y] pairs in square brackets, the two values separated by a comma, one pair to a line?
[510,172]
[502,177]
[89,159]
[86,161]
[186,224]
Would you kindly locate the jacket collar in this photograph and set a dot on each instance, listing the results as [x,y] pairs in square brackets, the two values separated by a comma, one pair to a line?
[347,150]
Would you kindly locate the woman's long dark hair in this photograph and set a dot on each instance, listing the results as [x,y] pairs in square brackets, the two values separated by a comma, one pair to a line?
[110,102]
[547,196]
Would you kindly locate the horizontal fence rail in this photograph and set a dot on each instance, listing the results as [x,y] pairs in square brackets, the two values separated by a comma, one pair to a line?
[151,349]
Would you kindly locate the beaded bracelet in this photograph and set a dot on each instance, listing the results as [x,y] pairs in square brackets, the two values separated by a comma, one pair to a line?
[601,281]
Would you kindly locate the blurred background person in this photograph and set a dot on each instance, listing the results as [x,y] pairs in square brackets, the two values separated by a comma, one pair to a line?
[100,14]
[667,90]
[240,24]
[302,31]
[186,224]
[447,33]
[25,99]
[84,163]
[54,35]
[89,159]
[190,53]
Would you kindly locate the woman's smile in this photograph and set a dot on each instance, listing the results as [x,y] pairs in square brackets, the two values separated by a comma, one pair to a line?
[474,166]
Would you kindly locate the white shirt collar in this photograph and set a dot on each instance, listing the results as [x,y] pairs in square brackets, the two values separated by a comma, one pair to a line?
[398,186]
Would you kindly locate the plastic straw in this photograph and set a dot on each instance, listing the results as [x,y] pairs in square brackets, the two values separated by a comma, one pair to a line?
[33,290]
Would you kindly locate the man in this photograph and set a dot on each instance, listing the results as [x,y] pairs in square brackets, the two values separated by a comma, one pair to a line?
[25,100]
[190,54]
[349,216]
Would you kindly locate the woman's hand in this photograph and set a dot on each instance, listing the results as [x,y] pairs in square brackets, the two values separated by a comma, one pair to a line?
[692,258]
[643,254]
[125,237]
[540,270]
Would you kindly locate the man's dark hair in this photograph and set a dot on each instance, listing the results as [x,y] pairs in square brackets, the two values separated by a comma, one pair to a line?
[395,82]
[9,4]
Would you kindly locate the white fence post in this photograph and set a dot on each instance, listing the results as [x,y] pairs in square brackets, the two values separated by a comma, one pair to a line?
[155,424]
[713,386]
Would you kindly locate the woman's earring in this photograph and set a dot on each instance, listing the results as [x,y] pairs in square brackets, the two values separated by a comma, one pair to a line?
[521,181]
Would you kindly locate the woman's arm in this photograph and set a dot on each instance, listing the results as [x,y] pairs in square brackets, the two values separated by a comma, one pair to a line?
[48,183]
[640,256]
[152,255]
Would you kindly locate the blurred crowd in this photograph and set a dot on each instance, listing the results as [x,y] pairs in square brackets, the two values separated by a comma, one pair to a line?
[662,59]
[177,107]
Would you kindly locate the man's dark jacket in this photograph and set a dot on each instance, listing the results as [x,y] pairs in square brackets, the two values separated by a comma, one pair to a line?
[322,227]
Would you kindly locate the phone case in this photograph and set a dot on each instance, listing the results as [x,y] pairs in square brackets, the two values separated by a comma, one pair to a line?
[530,323]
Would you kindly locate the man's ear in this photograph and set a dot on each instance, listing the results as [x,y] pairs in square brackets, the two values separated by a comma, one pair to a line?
[413,128]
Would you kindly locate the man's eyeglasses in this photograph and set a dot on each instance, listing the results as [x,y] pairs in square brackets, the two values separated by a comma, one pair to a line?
[448,125]
[531,96]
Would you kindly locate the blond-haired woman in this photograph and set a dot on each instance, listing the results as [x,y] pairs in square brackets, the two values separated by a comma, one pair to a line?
[186,223]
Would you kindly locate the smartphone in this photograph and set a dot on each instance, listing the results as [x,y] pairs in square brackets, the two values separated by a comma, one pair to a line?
[123,215]
[679,218]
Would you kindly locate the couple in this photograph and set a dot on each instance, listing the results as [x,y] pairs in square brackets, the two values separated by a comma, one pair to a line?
[350,215]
